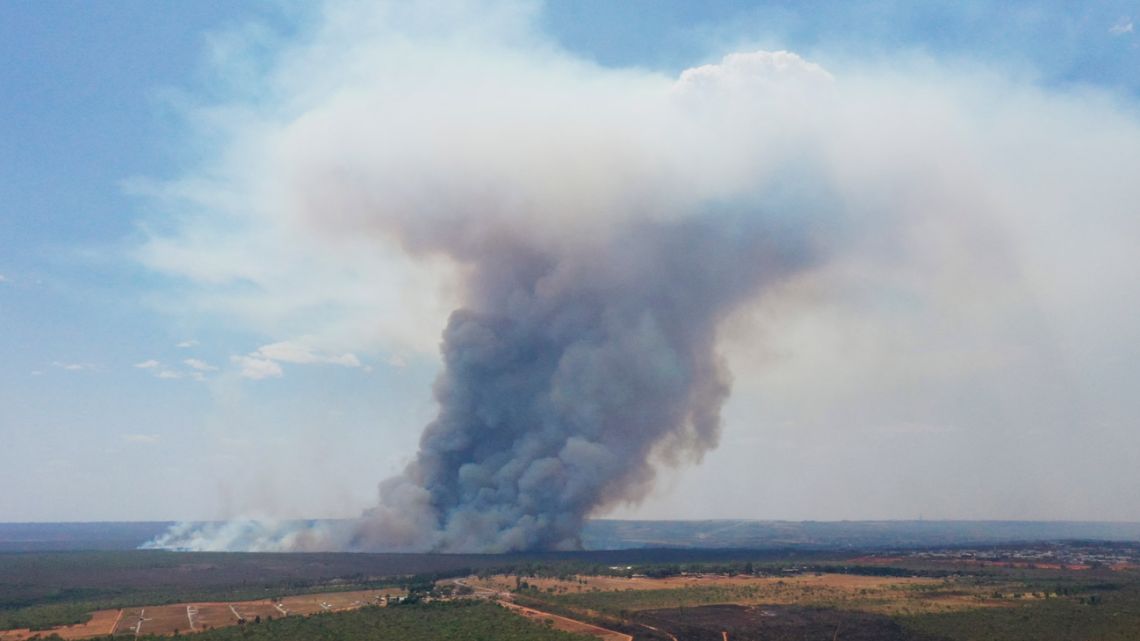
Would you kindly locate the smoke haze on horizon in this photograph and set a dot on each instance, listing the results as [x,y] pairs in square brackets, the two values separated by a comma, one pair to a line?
[603,246]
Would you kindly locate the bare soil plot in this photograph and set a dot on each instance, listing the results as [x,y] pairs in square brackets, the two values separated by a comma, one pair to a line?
[157,619]
[165,620]
[204,616]
[336,601]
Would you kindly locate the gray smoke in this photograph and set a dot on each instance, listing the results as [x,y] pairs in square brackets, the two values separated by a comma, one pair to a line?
[599,226]
[601,231]
[568,375]
[568,372]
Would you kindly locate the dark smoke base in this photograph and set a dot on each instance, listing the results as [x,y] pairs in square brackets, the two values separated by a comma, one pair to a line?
[568,373]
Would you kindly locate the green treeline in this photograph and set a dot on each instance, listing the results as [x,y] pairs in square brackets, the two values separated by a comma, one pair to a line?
[43,617]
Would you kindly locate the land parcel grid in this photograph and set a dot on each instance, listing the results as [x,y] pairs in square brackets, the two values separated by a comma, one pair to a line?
[197,617]
[180,618]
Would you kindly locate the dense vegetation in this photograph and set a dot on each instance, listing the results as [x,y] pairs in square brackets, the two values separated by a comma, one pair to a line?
[43,617]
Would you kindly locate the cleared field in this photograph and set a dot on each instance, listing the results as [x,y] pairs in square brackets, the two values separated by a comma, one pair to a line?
[198,617]
[876,594]
[336,601]
[615,583]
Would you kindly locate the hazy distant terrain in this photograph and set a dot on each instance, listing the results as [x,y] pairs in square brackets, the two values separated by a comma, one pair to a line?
[31,537]
[617,535]
[606,534]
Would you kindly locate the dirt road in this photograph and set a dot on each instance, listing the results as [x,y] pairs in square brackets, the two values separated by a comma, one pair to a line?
[567,624]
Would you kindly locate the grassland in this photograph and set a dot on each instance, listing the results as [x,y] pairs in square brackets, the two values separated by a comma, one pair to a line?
[882,595]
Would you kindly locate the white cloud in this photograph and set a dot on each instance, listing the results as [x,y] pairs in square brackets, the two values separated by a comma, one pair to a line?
[298,353]
[74,367]
[160,371]
[1121,27]
[187,344]
[3,278]
[266,361]
[257,368]
[144,439]
[768,74]
[199,365]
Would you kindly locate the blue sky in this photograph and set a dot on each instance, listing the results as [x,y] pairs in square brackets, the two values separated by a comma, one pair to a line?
[133,387]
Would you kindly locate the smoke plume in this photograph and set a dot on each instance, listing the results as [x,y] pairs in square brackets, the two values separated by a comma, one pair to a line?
[566,371]
[598,227]
[596,262]
[584,350]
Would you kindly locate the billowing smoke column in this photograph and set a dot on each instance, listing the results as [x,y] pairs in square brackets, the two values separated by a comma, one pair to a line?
[565,372]
[603,225]
[595,226]
[584,350]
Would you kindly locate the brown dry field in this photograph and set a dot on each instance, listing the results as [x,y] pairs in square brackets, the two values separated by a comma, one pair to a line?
[167,619]
[567,625]
[883,595]
[613,583]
